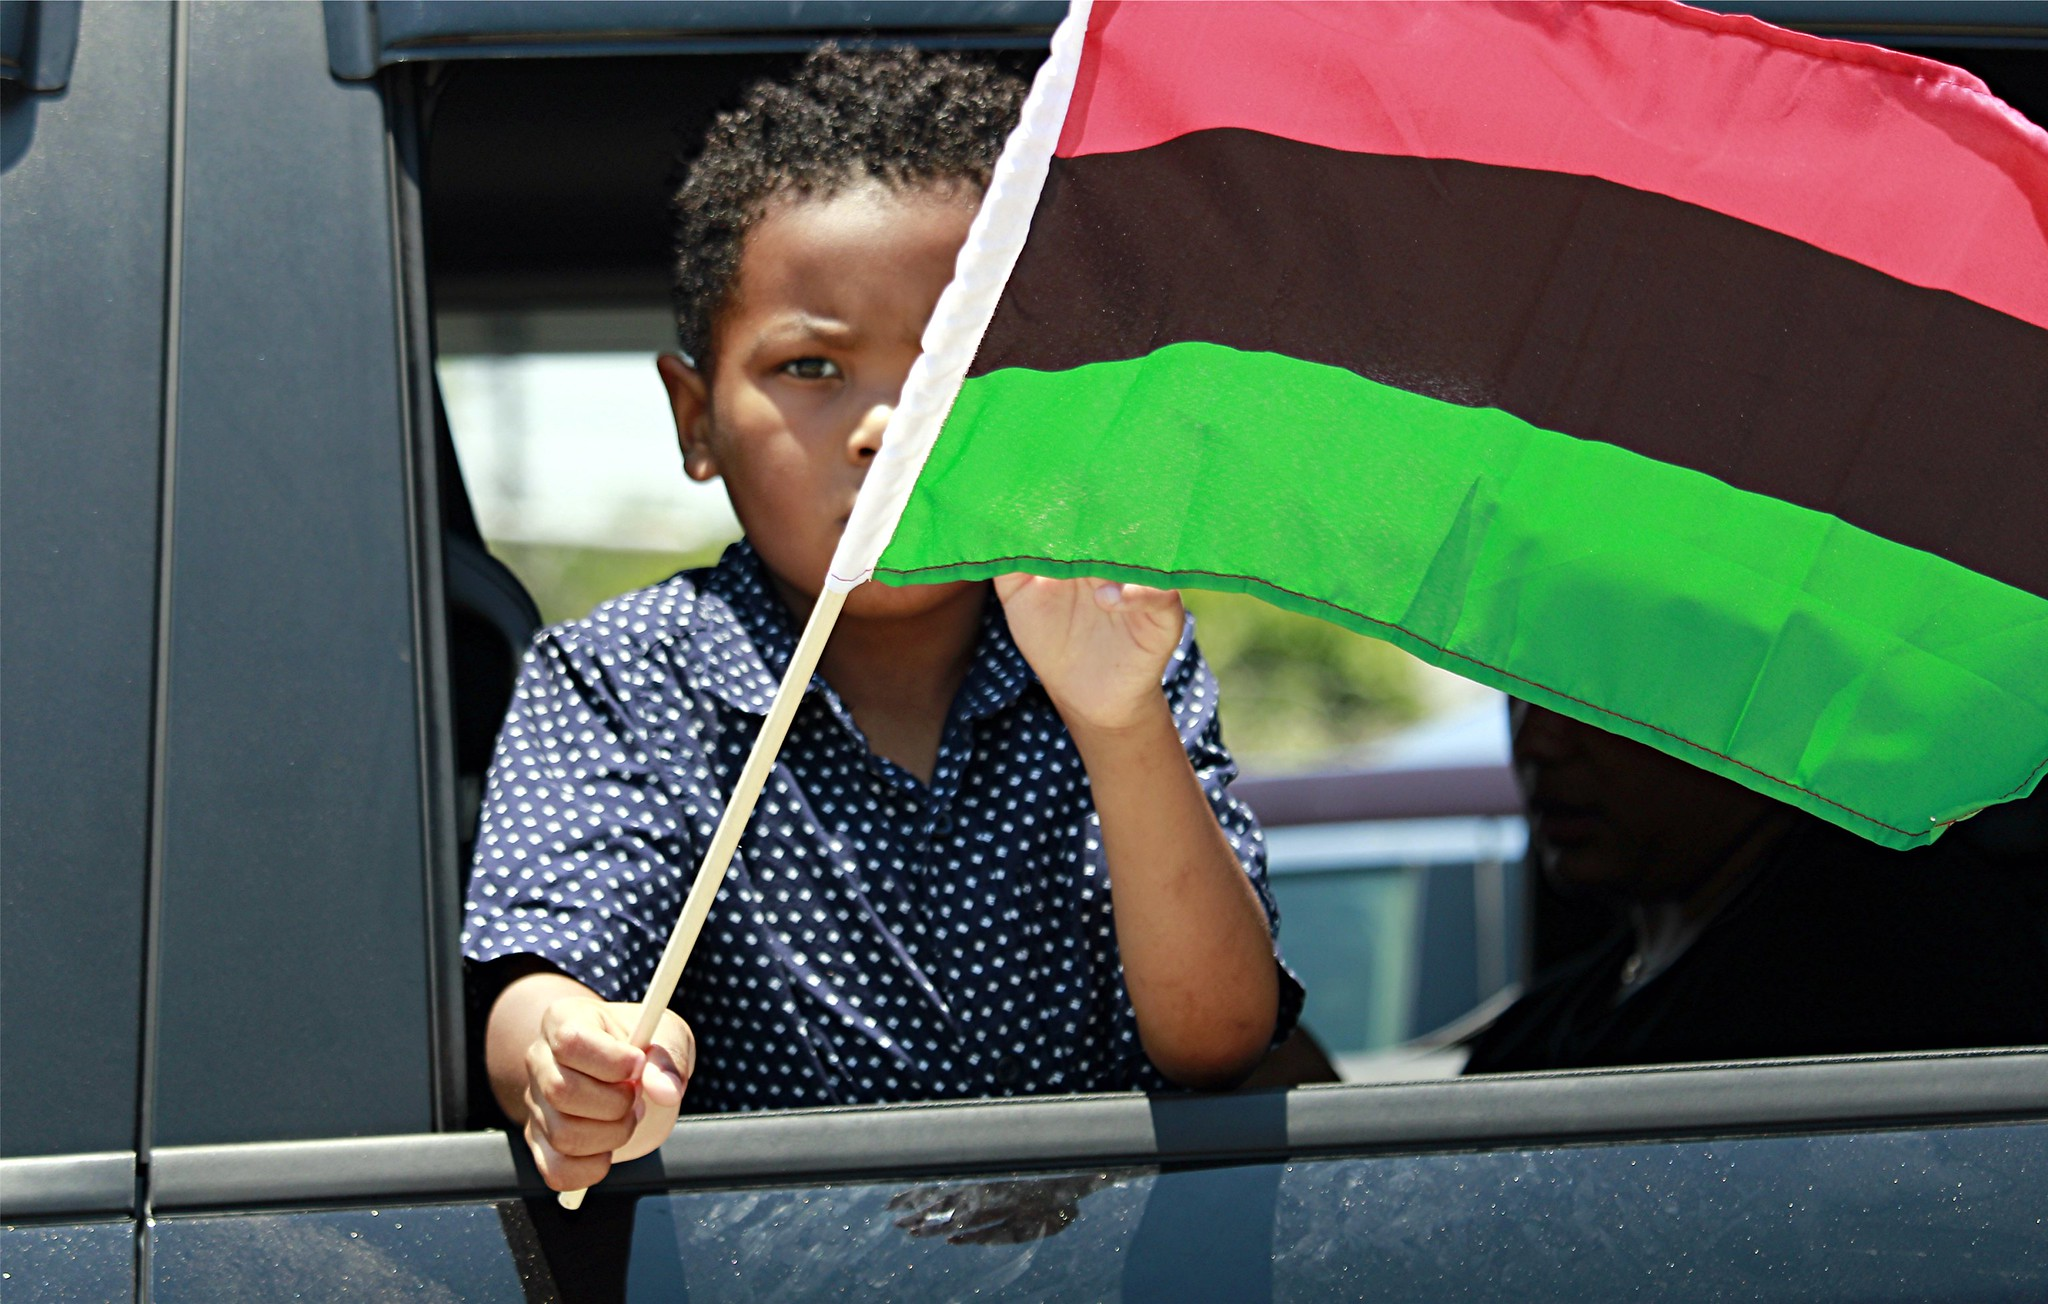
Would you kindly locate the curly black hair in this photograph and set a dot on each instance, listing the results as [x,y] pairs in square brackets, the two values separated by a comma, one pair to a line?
[900,116]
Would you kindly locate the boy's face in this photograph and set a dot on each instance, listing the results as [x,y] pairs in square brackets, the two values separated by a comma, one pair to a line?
[808,360]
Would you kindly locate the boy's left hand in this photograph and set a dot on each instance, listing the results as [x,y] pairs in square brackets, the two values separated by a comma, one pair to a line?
[1100,648]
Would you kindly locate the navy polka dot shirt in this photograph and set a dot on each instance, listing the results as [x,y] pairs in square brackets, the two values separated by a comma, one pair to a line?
[877,938]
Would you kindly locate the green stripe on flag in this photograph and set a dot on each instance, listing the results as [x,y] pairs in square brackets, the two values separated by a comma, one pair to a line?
[1878,686]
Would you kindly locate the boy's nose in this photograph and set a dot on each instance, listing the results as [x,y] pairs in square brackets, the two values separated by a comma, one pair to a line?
[866,439]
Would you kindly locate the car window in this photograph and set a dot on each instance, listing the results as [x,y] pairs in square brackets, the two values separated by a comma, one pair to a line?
[1399,928]
[1785,1218]
[435,1253]
[1402,922]
[572,468]
[548,313]
[302,814]
[68,1263]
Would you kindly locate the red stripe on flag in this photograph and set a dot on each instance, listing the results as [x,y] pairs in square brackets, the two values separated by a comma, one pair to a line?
[1903,164]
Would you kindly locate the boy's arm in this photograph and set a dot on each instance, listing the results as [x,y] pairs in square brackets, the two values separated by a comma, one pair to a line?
[1197,953]
[563,1066]
[559,1057]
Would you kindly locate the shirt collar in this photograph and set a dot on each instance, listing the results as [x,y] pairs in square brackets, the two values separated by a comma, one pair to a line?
[998,675]
[744,671]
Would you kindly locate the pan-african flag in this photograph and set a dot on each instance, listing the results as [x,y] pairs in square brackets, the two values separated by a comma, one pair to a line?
[1679,373]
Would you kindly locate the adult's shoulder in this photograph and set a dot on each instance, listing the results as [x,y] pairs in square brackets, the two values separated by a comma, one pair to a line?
[1948,883]
[1878,949]
[1538,1030]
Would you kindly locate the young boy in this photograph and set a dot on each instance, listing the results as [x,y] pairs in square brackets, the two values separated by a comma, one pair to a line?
[994,858]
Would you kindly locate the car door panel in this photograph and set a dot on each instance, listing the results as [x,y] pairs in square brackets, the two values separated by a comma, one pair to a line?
[82,220]
[294,937]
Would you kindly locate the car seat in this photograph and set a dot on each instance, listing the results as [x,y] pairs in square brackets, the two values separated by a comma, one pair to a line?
[491,620]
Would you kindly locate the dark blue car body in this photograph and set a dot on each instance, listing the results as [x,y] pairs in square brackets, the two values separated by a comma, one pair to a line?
[248,646]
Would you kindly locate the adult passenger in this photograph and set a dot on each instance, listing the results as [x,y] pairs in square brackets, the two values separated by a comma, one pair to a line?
[1754,930]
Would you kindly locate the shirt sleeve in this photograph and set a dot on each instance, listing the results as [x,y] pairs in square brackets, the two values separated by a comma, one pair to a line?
[1191,692]
[579,838]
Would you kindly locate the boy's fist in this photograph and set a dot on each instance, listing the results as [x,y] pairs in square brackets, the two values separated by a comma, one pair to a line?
[1100,648]
[593,1097]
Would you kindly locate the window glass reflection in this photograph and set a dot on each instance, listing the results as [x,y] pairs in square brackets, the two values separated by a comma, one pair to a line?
[1064,1236]
[78,1263]
[428,1253]
[1886,1216]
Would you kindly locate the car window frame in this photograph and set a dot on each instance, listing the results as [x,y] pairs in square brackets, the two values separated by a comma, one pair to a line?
[1027,1134]
[1639,1103]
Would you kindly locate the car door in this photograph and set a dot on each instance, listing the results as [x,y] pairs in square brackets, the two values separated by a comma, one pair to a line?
[1891,1178]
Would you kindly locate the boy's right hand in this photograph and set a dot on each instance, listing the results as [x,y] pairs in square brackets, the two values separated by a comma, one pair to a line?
[592,1097]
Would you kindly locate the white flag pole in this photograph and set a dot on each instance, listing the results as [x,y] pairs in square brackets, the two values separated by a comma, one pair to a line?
[726,839]
[961,318]
[958,322]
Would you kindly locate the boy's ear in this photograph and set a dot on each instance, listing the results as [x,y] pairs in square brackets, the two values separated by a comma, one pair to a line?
[689,402]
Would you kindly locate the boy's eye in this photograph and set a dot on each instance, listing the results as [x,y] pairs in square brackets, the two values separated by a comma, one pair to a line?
[811,369]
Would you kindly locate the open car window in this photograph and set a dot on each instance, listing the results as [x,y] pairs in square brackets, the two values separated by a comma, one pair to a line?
[1401,869]
[561,466]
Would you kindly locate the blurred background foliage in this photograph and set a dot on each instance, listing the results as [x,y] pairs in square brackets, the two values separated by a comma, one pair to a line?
[1300,692]
[567,580]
